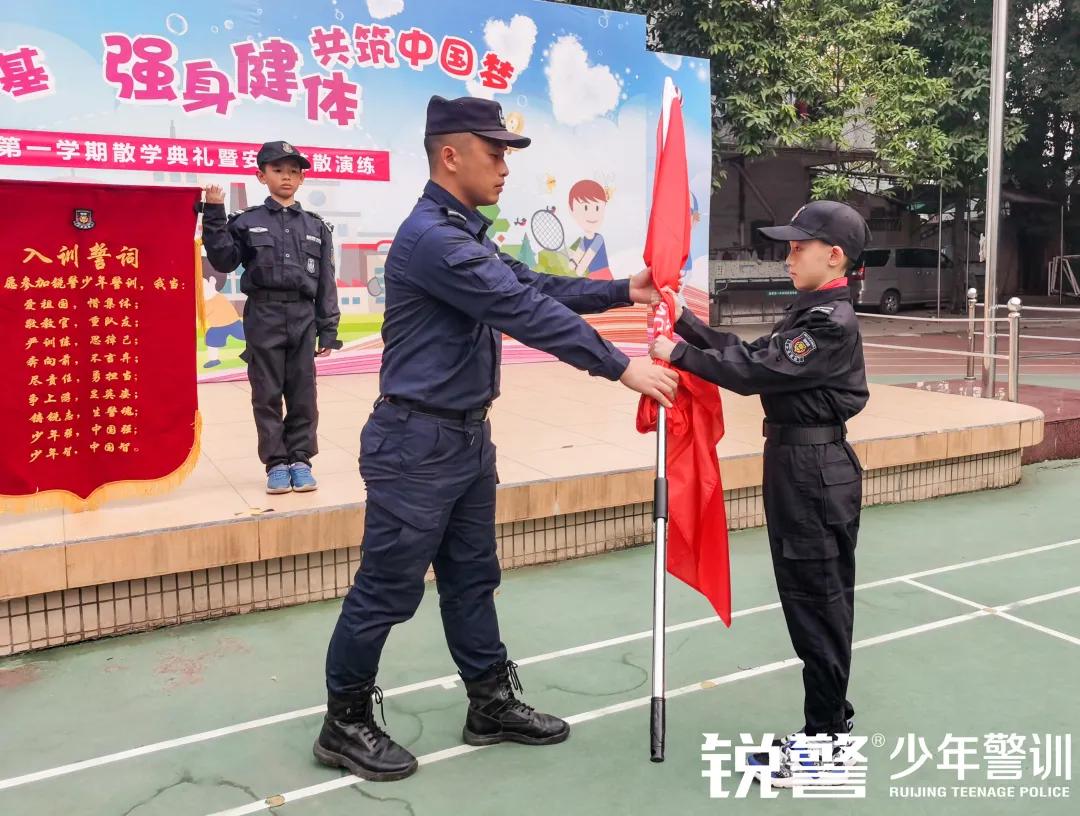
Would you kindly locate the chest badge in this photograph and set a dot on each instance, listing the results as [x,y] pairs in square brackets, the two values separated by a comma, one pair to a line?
[312,266]
[799,348]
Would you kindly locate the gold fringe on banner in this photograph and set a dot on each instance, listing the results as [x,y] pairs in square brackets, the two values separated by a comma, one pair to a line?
[114,491]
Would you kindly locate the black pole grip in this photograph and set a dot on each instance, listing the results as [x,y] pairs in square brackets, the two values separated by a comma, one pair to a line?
[657,729]
[660,496]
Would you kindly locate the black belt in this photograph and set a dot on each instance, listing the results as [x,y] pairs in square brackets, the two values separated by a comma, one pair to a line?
[283,295]
[803,434]
[472,415]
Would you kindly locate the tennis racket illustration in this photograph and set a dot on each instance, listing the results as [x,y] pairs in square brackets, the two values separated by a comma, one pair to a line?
[548,231]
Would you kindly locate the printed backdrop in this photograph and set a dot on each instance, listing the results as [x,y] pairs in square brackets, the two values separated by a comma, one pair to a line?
[182,93]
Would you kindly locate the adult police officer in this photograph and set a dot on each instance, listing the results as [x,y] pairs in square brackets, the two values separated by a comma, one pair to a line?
[811,377]
[426,454]
[289,280]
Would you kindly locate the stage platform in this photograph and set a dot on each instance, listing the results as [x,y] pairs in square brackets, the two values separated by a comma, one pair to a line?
[576,479]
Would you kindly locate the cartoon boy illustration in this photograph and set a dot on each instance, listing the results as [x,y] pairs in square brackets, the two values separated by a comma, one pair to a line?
[222,320]
[588,254]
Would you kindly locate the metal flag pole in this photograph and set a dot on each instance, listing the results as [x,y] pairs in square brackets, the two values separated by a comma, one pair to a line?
[657,725]
[999,43]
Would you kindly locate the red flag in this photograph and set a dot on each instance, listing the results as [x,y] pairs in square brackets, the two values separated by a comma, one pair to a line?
[697,522]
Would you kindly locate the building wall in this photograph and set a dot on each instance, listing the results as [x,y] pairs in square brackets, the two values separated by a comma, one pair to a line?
[783,182]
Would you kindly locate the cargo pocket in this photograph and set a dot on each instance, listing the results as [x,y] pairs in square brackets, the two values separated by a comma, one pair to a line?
[810,549]
[808,571]
[842,491]
[373,466]
[260,269]
[416,506]
[312,257]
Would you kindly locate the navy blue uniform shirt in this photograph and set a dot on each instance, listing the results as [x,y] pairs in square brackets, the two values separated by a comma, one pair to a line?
[282,248]
[450,296]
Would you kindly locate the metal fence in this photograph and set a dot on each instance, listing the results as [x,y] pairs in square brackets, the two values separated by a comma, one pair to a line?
[1013,358]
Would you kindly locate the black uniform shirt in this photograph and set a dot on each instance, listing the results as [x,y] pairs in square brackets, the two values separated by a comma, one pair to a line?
[282,248]
[809,371]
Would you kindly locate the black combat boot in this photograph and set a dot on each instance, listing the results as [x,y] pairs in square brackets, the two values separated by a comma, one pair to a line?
[350,739]
[496,715]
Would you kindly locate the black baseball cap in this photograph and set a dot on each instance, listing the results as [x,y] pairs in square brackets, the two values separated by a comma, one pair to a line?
[830,221]
[274,151]
[484,117]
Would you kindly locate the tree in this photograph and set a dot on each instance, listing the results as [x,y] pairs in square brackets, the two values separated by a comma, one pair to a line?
[822,74]
[954,37]
[1044,96]
[1042,110]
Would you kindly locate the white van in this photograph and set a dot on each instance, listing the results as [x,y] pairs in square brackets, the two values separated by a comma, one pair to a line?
[891,277]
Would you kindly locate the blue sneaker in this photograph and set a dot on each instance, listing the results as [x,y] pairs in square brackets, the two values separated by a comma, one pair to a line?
[302,480]
[278,481]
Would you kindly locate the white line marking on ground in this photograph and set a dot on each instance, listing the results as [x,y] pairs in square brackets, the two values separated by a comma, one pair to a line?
[999,611]
[204,736]
[641,702]
[587,716]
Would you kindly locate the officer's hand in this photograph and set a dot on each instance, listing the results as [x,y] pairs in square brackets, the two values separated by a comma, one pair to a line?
[661,348]
[642,289]
[680,303]
[214,194]
[651,380]
[323,353]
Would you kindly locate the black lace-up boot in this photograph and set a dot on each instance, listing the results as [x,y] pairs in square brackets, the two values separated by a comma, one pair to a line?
[350,739]
[496,715]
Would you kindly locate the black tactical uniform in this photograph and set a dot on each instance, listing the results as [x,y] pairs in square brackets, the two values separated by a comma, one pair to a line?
[288,259]
[812,379]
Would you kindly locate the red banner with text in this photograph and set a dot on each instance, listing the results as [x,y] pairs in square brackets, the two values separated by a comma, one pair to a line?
[97,299]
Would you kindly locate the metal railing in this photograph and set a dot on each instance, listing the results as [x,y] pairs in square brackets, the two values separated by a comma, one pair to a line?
[1015,310]
[1060,273]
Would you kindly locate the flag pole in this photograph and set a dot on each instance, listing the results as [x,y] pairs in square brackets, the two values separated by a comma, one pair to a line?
[658,725]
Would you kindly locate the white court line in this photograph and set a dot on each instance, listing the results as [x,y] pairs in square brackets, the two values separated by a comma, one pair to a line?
[617,708]
[999,611]
[448,680]
[1038,627]
[450,753]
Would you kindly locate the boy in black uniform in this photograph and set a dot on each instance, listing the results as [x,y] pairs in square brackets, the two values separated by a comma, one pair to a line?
[288,258]
[812,379]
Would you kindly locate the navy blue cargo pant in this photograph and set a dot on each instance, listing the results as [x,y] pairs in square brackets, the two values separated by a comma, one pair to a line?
[430,502]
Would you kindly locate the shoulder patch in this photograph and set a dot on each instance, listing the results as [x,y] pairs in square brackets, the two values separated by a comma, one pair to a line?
[467,252]
[329,225]
[455,218]
[799,348]
[237,213]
